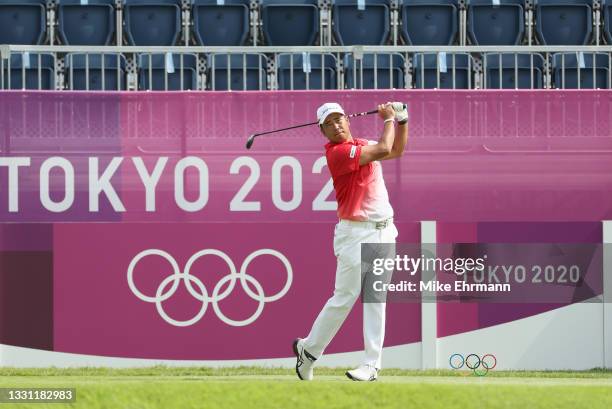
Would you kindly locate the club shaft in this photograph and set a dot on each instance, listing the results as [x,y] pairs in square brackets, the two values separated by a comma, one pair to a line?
[313,123]
[285,129]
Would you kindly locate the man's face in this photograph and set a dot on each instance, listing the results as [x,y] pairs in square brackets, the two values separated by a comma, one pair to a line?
[336,128]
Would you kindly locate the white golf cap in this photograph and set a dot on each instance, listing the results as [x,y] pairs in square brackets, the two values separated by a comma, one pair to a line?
[326,109]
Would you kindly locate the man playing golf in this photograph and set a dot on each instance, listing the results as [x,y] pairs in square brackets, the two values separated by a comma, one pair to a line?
[366,216]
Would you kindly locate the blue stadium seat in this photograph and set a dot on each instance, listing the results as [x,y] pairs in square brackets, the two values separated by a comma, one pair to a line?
[427,66]
[353,25]
[82,70]
[160,72]
[607,15]
[429,22]
[86,23]
[287,22]
[22,22]
[512,78]
[593,70]
[152,22]
[29,66]
[502,24]
[237,72]
[316,71]
[564,22]
[218,24]
[386,71]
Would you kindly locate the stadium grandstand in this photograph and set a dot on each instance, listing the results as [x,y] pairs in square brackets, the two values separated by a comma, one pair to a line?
[305,44]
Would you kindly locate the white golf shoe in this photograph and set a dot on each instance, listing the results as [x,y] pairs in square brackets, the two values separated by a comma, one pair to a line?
[363,373]
[305,361]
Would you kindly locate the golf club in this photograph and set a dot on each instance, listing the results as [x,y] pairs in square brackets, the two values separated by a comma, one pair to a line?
[251,139]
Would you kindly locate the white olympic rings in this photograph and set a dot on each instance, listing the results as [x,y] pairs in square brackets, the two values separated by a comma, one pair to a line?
[174,279]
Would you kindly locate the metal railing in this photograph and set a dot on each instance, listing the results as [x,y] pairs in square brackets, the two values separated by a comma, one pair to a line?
[316,67]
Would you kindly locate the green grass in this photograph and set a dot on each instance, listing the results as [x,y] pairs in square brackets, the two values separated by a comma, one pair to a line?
[254,388]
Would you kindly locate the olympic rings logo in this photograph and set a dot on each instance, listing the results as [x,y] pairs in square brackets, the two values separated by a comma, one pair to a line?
[202,294]
[480,366]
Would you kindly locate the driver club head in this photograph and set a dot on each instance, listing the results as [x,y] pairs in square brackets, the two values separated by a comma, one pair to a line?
[250,141]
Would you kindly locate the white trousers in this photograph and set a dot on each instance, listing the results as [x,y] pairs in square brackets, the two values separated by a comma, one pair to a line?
[347,248]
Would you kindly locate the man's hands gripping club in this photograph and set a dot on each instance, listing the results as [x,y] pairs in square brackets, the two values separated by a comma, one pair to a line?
[395,110]
[390,145]
[401,112]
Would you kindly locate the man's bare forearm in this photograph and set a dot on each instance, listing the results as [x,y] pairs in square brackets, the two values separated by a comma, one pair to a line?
[401,138]
[384,146]
[399,144]
[387,139]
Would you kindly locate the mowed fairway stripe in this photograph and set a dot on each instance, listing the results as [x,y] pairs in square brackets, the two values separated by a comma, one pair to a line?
[284,391]
[468,379]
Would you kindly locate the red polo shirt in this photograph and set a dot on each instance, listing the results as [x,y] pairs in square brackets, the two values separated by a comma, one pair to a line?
[360,190]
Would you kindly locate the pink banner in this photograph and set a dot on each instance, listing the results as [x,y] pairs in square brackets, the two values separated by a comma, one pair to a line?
[117,293]
[112,194]
[472,156]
